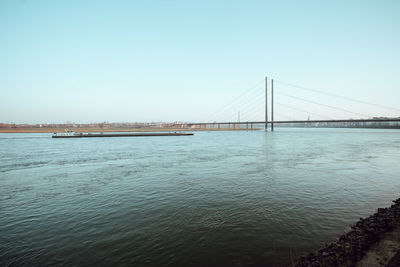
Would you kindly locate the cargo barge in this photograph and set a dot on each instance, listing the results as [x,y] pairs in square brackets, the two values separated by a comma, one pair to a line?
[81,135]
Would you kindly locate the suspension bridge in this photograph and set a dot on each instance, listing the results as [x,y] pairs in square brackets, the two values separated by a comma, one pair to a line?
[260,108]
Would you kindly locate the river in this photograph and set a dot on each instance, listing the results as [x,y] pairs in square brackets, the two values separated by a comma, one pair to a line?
[232,198]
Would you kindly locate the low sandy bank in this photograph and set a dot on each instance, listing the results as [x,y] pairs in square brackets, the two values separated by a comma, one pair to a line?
[371,242]
[91,130]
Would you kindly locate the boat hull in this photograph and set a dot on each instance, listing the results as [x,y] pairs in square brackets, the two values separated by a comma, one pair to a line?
[121,135]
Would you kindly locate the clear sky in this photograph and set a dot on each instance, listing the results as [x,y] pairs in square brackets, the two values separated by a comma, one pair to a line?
[91,61]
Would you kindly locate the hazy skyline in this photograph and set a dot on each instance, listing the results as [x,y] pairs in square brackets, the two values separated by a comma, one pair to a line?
[87,61]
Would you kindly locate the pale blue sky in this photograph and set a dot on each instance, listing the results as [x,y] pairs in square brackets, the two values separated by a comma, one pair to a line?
[87,61]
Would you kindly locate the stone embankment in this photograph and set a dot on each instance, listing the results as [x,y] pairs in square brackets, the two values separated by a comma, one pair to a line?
[351,247]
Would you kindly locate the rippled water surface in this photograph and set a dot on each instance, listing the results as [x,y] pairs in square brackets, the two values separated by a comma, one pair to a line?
[215,198]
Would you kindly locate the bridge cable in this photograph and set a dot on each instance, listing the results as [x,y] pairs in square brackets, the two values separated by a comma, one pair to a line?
[240,106]
[231,109]
[338,96]
[302,110]
[324,105]
[237,98]
[252,104]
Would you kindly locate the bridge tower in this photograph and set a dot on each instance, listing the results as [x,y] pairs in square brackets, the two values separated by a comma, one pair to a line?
[272,105]
[266,104]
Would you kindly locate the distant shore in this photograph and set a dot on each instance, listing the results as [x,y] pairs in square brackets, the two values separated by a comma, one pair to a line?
[91,130]
[373,241]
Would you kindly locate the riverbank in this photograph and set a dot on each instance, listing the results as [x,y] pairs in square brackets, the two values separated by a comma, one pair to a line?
[371,242]
[92,130]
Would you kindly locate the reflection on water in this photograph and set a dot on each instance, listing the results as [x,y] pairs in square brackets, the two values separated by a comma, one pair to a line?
[218,198]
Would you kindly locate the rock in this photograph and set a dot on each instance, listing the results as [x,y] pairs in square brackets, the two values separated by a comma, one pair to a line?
[351,247]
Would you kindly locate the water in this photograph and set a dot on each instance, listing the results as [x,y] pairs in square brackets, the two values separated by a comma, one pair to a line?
[215,198]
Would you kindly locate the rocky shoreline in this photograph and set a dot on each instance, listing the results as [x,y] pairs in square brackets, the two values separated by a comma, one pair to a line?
[352,246]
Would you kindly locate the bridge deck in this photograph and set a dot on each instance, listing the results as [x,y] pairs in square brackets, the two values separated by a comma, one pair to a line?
[304,121]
